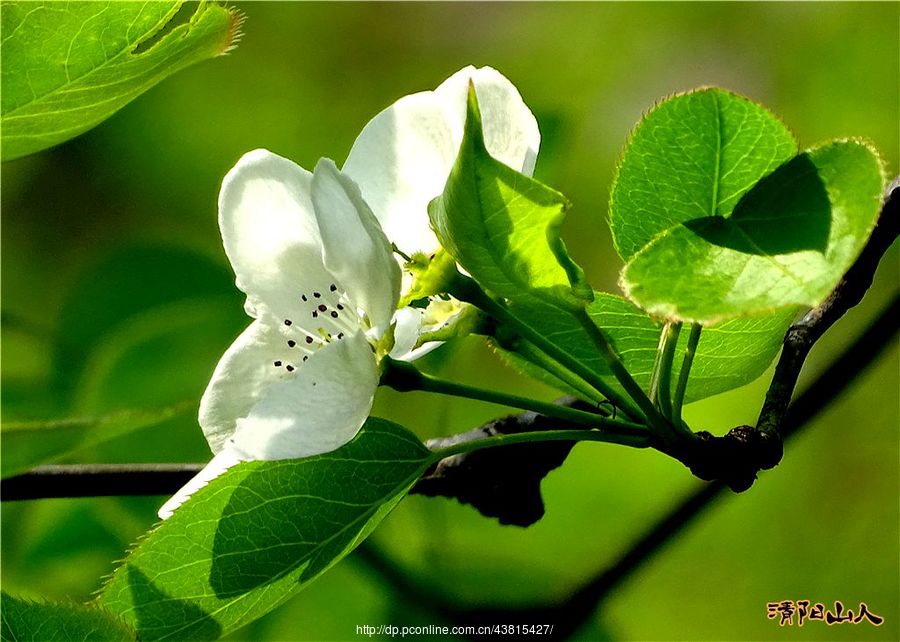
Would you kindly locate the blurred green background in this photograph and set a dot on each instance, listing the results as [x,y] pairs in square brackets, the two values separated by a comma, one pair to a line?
[116,294]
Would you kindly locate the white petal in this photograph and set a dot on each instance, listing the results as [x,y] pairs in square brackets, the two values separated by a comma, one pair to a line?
[239,380]
[406,332]
[511,133]
[216,467]
[270,232]
[318,410]
[355,249]
[403,156]
[401,160]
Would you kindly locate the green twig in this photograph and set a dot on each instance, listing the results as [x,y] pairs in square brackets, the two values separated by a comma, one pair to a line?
[467,290]
[681,387]
[540,359]
[667,342]
[635,441]
[656,421]
[405,377]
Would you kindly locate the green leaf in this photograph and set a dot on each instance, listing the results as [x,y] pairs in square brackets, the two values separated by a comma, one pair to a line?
[503,227]
[69,66]
[256,535]
[728,356]
[692,156]
[23,620]
[787,243]
[27,444]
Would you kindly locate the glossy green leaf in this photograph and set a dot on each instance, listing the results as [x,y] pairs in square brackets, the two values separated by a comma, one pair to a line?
[787,243]
[503,227]
[69,66]
[23,620]
[27,444]
[692,156]
[256,535]
[728,356]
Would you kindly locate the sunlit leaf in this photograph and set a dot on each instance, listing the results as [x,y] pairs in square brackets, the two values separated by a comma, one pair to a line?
[259,533]
[23,620]
[29,443]
[503,227]
[787,243]
[69,66]
[692,156]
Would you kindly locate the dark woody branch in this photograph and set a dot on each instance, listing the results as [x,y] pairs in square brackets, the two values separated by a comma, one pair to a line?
[505,482]
[573,612]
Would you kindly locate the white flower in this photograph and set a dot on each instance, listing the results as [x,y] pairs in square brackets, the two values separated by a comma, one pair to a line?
[323,286]
[403,156]
[320,278]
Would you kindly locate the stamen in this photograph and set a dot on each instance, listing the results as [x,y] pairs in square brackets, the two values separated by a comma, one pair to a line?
[289,368]
[277,364]
[329,310]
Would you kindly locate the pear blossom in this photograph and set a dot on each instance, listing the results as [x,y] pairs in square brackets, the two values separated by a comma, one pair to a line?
[322,286]
[311,252]
[402,158]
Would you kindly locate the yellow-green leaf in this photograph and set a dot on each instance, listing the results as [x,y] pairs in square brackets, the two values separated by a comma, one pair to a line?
[67,66]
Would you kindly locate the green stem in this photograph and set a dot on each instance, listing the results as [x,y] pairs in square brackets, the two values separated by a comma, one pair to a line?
[537,437]
[653,393]
[681,387]
[466,289]
[539,358]
[405,377]
[615,365]
[667,342]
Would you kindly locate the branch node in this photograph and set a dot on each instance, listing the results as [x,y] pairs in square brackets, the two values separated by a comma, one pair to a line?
[735,458]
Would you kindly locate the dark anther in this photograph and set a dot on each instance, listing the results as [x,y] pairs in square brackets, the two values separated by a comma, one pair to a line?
[340,335]
[334,315]
[317,295]
[322,307]
[303,297]
[309,339]
[290,368]
[340,307]
[277,363]
[305,357]
[315,314]
[291,343]
[333,287]
[287,322]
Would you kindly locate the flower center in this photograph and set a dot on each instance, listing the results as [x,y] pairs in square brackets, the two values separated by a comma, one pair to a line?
[324,315]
